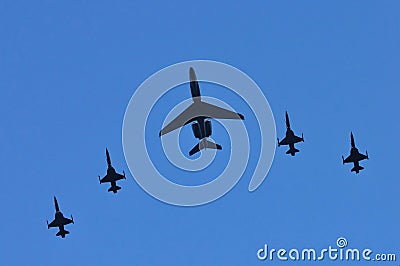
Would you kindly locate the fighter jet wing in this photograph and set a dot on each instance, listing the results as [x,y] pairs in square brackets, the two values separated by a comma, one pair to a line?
[67,221]
[105,179]
[182,119]
[119,177]
[297,139]
[349,159]
[284,142]
[361,156]
[53,224]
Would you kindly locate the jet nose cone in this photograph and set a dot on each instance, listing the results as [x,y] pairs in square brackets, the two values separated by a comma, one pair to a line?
[287,120]
[192,74]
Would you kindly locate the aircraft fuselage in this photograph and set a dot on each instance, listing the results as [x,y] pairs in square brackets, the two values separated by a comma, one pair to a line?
[194,85]
[59,217]
[110,170]
[290,135]
[354,154]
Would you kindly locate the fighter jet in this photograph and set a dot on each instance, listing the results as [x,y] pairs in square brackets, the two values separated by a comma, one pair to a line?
[355,156]
[59,221]
[290,138]
[111,176]
[198,114]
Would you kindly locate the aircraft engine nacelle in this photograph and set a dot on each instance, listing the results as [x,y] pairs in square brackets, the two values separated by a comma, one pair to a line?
[208,128]
[196,130]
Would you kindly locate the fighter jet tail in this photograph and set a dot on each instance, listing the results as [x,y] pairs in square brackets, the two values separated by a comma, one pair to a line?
[114,189]
[357,169]
[292,151]
[204,144]
[62,233]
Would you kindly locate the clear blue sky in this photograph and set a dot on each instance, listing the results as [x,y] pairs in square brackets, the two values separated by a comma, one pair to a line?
[68,70]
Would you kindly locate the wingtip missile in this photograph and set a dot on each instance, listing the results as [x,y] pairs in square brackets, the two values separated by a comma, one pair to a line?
[72,219]
[302,137]
[124,174]
[47,222]
[366,152]
[278,142]
[342,159]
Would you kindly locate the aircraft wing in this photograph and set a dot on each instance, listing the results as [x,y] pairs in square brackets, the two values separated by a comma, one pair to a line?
[105,179]
[119,177]
[53,224]
[297,139]
[361,156]
[213,111]
[112,178]
[349,159]
[182,119]
[67,221]
[284,142]
[355,158]
[199,109]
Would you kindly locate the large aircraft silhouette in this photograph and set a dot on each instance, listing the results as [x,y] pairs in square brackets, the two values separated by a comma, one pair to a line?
[355,156]
[290,138]
[112,176]
[59,221]
[197,114]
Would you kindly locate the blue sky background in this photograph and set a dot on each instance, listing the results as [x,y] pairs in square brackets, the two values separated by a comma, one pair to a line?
[68,70]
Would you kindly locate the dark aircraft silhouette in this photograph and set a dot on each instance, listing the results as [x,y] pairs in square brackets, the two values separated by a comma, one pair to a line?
[355,156]
[290,138]
[59,221]
[111,176]
[197,114]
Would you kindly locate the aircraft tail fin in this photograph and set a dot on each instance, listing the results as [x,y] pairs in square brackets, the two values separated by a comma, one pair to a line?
[62,233]
[204,144]
[357,169]
[114,189]
[292,151]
